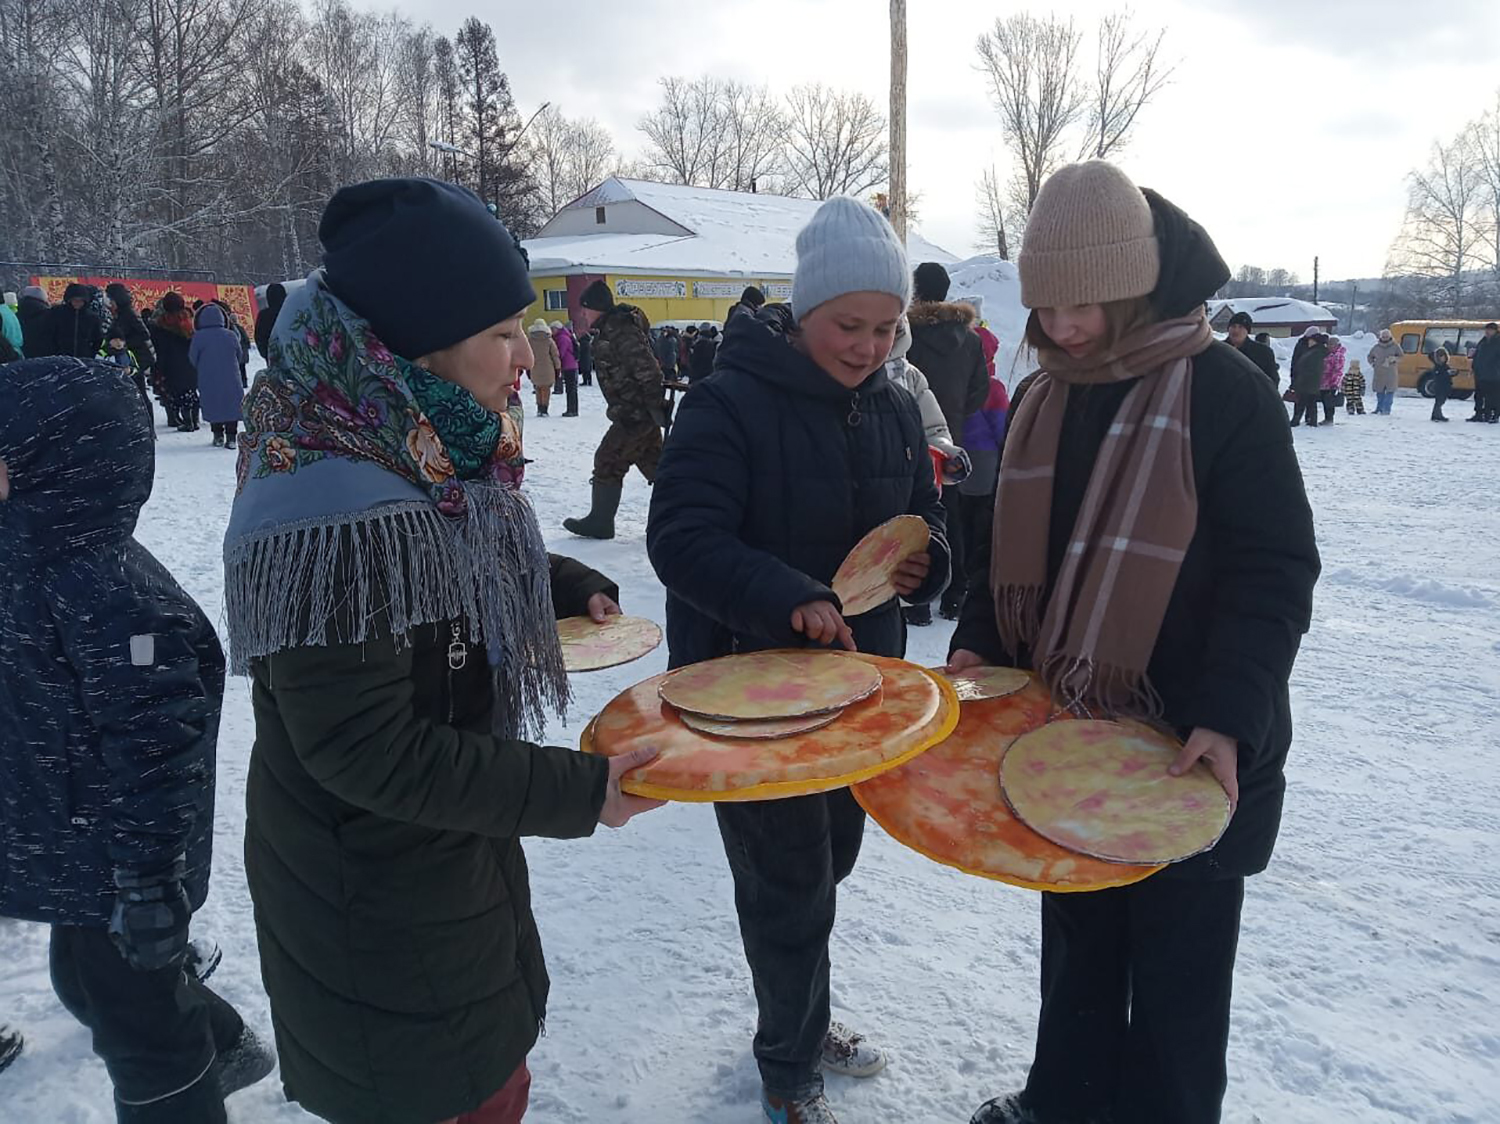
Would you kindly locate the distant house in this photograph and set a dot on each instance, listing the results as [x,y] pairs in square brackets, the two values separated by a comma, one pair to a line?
[1281,317]
[678,253]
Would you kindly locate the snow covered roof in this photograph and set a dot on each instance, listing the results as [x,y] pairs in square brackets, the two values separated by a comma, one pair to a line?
[1273,310]
[695,231]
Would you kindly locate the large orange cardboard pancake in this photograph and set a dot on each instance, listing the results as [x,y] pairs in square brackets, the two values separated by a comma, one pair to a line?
[913,710]
[761,685]
[590,646]
[757,728]
[978,684]
[946,804]
[866,579]
[1102,789]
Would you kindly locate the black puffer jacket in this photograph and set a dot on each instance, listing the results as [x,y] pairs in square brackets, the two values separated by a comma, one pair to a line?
[78,332]
[32,313]
[773,472]
[1243,597]
[1263,357]
[128,326]
[111,678]
[173,365]
[1486,361]
[383,854]
[266,320]
[945,348]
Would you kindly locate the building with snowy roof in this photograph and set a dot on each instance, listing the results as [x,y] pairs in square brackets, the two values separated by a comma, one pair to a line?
[1280,317]
[681,254]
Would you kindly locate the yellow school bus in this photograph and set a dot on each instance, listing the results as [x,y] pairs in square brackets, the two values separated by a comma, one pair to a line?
[1418,339]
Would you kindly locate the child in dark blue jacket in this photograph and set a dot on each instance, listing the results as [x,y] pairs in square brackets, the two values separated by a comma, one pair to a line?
[777,466]
[111,682]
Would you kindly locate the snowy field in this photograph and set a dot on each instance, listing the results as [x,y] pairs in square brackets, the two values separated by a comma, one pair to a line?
[1369,974]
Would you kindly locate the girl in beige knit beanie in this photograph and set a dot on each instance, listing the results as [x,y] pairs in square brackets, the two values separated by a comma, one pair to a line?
[1152,558]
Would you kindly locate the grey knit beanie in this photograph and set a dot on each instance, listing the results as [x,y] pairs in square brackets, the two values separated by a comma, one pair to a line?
[848,247]
[1090,239]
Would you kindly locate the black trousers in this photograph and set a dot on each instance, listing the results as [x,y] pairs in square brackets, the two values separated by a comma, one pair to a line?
[156,1032]
[227,430]
[975,515]
[787,858]
[1328,397]
[1308,404]
[958,547]
[1136,986]
[570,390]
[586,375]
[1439,400]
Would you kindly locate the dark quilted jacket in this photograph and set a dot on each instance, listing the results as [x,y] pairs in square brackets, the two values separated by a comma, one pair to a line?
[111,678]
[629,375]
[773,472]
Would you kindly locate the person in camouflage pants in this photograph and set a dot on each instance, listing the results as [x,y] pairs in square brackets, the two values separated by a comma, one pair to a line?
[630,380]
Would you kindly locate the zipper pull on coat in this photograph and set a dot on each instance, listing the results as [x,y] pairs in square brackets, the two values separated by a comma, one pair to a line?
[854,414]
[458,651]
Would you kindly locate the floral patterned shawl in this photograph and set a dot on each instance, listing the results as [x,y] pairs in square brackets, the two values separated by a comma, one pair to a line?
[373,498]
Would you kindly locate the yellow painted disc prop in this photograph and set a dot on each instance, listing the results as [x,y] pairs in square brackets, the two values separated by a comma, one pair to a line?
[946,804]
[763,685]
[764,728]
[1102,789]
[866,579]
[913,710]
[589,646]
[979,684]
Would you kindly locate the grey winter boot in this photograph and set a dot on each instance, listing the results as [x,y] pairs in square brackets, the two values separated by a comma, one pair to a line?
[249,1060]
[599,523]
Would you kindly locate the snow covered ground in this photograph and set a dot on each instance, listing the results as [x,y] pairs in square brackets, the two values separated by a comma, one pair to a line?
[1369,974]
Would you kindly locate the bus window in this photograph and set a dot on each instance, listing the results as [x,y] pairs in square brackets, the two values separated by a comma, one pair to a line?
[1445,338]
[1410,341]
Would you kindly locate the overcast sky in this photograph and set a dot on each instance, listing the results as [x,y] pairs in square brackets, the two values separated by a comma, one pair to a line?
[1288,129]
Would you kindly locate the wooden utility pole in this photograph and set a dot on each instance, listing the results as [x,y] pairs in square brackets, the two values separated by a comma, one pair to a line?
[898,117]
[1315,280]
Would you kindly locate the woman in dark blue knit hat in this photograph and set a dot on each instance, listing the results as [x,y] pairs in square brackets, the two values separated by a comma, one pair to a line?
[388,591]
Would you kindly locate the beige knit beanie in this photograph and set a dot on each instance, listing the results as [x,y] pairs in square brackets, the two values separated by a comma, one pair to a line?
[1090,240]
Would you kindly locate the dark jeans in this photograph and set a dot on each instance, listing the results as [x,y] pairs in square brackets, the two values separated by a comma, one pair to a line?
[156,1032]
[975,514]
[958,547]
[1308,404]
[787,858]
[1136,987]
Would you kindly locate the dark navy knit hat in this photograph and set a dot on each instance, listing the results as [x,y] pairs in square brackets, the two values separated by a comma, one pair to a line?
[422,261]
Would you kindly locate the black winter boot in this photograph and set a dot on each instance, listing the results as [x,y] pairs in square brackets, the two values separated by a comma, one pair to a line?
[918,616]
[599,523]
[10,1045]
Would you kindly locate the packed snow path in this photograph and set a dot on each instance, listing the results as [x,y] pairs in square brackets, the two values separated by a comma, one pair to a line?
[1369,973]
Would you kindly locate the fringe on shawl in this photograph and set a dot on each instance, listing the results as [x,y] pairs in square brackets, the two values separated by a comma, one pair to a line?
[394,568]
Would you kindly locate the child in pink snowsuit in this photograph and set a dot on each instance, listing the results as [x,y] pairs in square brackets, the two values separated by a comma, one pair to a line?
[1333,376]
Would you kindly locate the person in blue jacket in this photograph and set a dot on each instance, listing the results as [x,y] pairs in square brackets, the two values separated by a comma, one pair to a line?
[777,465]
[111,682]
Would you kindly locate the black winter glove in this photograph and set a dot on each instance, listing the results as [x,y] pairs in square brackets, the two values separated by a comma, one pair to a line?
[149,924]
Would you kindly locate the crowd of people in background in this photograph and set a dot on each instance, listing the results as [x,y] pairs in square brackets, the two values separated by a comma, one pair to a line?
[193,359]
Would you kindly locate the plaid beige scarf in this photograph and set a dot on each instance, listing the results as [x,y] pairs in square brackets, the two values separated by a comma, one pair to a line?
[1092,640]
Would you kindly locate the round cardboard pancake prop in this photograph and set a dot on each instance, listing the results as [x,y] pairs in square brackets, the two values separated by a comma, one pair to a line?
[978,684]
[866,579]
[913,710]
[589,646]
[764,685]
[1102,789]
[946,804]
[762,728]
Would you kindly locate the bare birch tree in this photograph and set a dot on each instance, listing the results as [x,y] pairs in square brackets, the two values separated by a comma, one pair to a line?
[898,118]
[993,216]
[1128,74]
[1032,66]
[1446,235]
[836,143]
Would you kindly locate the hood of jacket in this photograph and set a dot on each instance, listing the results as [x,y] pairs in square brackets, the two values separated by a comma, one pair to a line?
[761,347]
[79,450]
[1192,270]
[210,316]
[942,325]
[78,289]
[121,296]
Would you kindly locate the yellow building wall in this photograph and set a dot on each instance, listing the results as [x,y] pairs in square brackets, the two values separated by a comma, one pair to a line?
[662,308]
